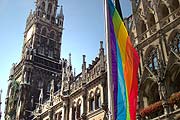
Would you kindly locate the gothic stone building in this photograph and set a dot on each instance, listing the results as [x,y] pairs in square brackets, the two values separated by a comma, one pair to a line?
[81,97]
[40,62]
[43,86]
[155,31]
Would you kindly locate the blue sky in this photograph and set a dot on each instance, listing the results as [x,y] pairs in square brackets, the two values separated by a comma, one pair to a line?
[83,29]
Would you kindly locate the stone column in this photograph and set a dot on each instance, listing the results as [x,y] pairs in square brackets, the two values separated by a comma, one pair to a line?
[66,110]
[163,46]
[84,95]
[50,114]
[161,86]
[163,97]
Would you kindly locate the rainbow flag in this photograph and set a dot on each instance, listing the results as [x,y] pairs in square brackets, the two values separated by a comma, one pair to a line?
[124,67]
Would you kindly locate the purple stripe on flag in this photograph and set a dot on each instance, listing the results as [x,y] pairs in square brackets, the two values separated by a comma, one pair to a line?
[114,66]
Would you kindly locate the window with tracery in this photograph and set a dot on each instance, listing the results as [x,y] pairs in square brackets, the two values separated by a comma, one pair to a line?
[41,50]
[91,102]
[97,99]
[58,116]
[49,8]
[174,5]
[73,113]
[52,34]
[78,114]
[48,87]
[164,10]
[153,60]
[143,27]
[43,6]
[151,21]
[44,31]
[175,43]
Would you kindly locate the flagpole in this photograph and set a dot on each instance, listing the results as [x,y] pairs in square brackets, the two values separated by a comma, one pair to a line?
[109,68]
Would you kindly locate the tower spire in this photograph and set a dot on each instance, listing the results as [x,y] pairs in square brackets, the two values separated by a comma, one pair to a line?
[69,59]
[61,12]
[60,17]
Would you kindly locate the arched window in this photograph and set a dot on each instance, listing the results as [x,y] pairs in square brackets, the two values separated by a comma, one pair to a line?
[52,34]
[97,99]
[44,31]
[175,5]
[48,87]
[40,83]
[43,6]
[143,27]
[74,112]
[175,43]
[49,8]
[151,21]
[58,116]
[78,114]
[41,50]
[153,60]
[91,102]
[164,10]
[50,53]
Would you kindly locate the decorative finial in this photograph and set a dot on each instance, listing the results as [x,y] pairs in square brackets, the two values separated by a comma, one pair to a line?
[70,59]
[74,72]
[61,11]
[84,58]
[101,44]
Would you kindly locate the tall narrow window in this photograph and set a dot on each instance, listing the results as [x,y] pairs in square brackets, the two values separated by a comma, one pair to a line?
[44,32]
[153,60]
[58,116]
[50,53]
[78,109]
[143,26]
[41,50]
[49,8]
[43,6]
[97,99]
[175,43]
[73,113]
[164,10]
[91,102]
[48,87]
[151,21]
[52,34]
[175,5]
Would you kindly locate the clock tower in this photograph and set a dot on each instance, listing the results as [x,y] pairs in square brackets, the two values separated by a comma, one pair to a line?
[40,63]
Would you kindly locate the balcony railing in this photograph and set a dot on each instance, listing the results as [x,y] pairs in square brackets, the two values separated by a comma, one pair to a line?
[157,106]
[162,23]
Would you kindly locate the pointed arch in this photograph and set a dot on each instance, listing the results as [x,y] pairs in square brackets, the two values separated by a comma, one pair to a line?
[143,26]
[97,98]
[174,5]
[151,20]
[43,5]
[152,58]
[44,31]
[78,113]
[74,111]
[174,41]
[91,101]
[49,10]
[163,10]
[52,34]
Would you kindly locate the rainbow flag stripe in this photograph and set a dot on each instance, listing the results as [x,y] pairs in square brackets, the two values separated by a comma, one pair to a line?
[125,62]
